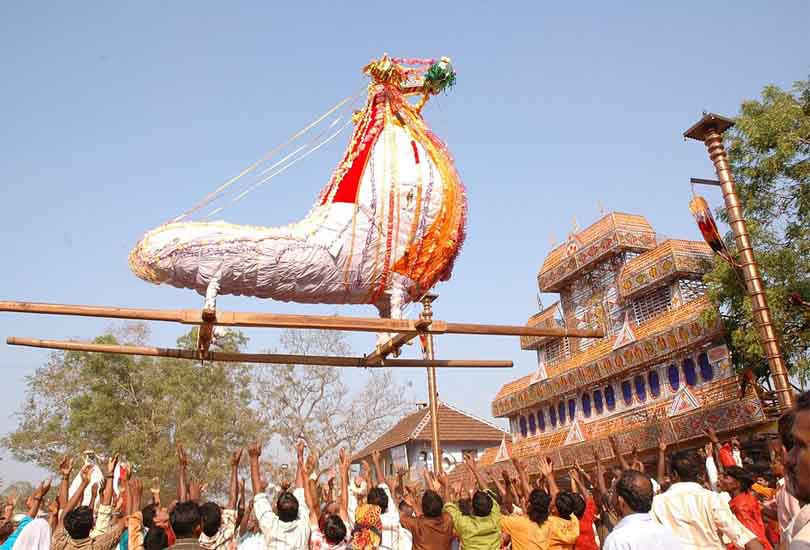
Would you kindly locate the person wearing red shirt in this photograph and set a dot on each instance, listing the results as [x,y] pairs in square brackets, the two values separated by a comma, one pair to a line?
[737,482]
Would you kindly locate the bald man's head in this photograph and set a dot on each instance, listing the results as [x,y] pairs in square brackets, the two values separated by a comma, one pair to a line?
[636,490]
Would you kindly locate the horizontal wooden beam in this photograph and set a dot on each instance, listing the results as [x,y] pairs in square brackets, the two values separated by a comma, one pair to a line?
[278,320]
[273,358]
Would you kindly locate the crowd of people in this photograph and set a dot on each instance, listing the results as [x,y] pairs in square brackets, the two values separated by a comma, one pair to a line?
[709,498]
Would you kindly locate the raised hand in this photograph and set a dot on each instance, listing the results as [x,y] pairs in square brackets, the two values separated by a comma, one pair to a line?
[712,434]
[662,442]
[255,450]
[299,449]
[86,473]
[43,489]
[345,461]
[546,466]
[66,465]
[443,479]
[182,457]
[236,457]
[112,462]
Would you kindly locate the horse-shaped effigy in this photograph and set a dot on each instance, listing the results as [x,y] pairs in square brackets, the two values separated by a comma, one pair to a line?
[384,230]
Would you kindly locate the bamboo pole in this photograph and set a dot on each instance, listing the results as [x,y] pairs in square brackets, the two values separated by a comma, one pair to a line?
[231,357]
[278,320]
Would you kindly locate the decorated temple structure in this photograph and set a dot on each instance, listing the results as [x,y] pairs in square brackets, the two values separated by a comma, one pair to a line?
[661,368]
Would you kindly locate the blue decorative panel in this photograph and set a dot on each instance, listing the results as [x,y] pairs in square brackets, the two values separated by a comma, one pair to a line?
[689,372]
[586,405]
[674,377]
[706,370]
[641,389]
[655,383]
[597,401]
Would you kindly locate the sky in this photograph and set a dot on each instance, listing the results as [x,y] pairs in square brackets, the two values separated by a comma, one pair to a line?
[119,116]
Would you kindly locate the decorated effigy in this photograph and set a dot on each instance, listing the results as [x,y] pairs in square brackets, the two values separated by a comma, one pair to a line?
[384,230]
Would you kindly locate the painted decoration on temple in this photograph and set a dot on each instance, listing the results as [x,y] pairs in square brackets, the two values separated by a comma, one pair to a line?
[684,401]
[384,230]
[503,451]
[626,335]
[574,434]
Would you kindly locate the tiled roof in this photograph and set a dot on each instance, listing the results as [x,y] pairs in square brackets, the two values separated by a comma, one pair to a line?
[669,260]
[454,425]
[545,318]
[612,221]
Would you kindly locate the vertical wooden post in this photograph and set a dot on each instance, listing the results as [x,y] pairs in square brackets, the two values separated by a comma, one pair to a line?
[433,393]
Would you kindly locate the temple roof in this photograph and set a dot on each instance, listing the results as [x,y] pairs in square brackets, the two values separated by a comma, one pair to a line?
[454,425]
[607,235]
[671,259]
[545,318]
[661,335]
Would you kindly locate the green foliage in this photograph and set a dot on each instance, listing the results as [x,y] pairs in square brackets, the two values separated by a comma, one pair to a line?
[769,150]
[440,77]
[139,407]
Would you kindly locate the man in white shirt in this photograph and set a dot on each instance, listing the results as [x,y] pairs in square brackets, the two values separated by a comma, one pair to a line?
[797,469]
[637,530]
[696,516]
[288,528]
[394,536]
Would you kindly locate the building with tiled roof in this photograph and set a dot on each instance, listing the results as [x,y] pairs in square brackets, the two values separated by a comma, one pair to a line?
[660,366]
[408,443]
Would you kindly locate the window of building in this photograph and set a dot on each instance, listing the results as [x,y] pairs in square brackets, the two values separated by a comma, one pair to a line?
[610,398]
[557,350]
[689,373]
[586,405]
[561,412]
[627,392]
[674,377]
[532,424]
[655,384]
[523,429]
[641,389]
[552,416]
[572,409]
[706,370]
[652,304]
[691,290]
[597,401]
[541,420]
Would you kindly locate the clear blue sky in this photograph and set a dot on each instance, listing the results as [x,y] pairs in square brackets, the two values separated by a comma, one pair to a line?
[118,116]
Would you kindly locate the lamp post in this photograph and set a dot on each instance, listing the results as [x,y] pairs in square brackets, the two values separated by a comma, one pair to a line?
[709,130]
[433,396]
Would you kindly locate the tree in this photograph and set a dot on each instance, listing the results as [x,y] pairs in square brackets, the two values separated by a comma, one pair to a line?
[769,152]
[316,404]
[139,407]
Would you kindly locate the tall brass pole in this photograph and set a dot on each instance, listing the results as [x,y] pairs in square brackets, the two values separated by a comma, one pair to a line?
[433,395]
[709,130]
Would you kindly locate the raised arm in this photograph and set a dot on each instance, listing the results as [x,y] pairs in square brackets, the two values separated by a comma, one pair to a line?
[53,514]
[547,469]
[65,468]
[523,476]
[508,493]
[309,497]
[378,471]
[154,491]
[182,474]
[301,480]
[599,489]
[715,441]
[254,452]
[236,458]
[77,496]
[37,496]
[576,485]
[345,464]
[661,472]
[615,448]
[469,461]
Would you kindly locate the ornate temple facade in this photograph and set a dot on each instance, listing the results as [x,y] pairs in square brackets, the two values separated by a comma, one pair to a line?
[661,367]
